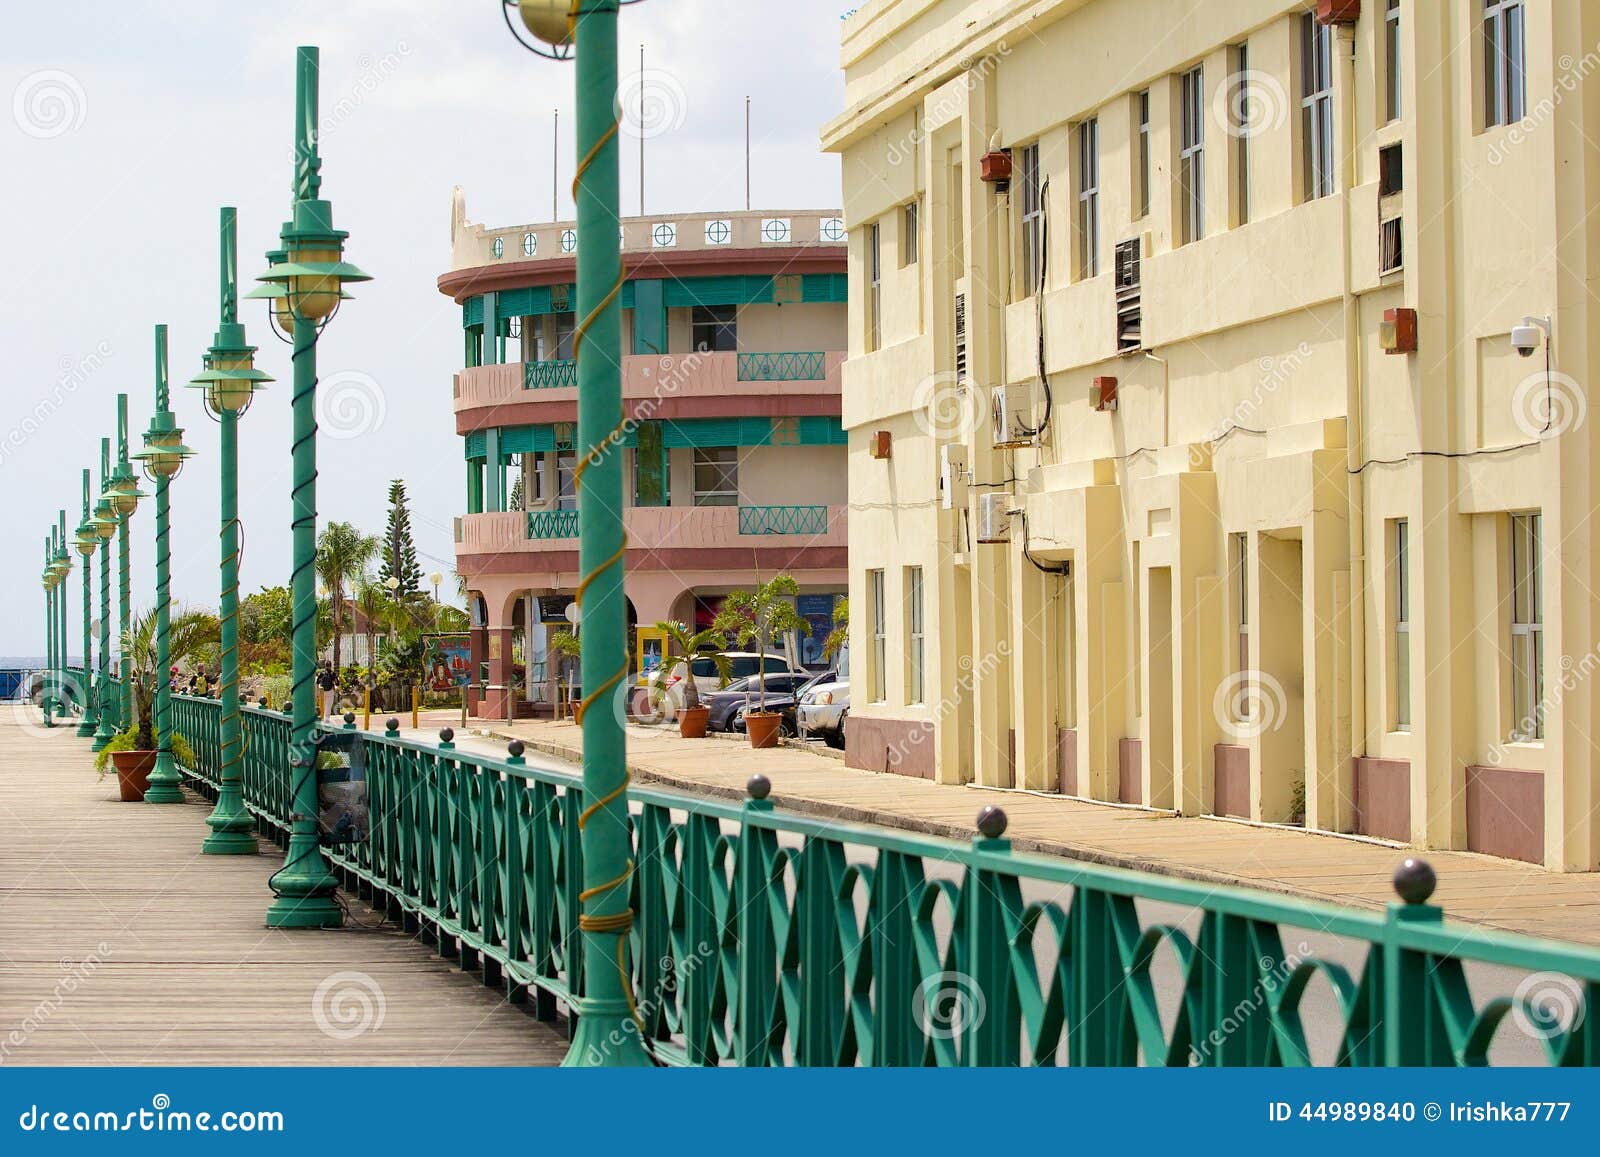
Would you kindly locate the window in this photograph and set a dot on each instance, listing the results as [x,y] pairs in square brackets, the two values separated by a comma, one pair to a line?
[914,634]
[567,480]
[1505,86]
[1032,197]
[879,639]
[1527,630]
[566,325]
[716,476]
[1391,61]
[1316,107]
[1191,155]
[1401,546]
[874,287]
[909,238]
[1241,618]
[1244,128]
[1142,118]
[716,328]
[1089,198]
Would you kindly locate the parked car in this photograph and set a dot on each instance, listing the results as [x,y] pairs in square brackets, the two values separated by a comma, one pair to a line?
[823,710]
[741,695]
[664,690]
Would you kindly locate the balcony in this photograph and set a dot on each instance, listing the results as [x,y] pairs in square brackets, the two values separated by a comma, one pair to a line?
[667,382]
[657,528]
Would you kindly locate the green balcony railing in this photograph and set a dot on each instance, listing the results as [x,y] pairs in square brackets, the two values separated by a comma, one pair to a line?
[552,524]
[550,375]
[783,520]
[767,938]
[783,367]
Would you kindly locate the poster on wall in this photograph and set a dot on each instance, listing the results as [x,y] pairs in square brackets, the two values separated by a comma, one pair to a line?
[447,659]
[818,611]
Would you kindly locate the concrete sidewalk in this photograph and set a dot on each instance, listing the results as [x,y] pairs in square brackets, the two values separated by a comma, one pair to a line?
[1499,893]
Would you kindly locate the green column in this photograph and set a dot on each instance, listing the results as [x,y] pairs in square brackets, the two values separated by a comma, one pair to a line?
[103,731]
[607,1034]
[164,777]
[63,659]
[304,887]
[86,725]
[47,680]
[124,578]
[232,831]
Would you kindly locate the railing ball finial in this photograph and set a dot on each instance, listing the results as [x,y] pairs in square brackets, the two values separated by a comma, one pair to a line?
[392,723]
[992,822]
[515,748]
[447,734]
[1415,880]
[758,786]
[349,718]
[262,702]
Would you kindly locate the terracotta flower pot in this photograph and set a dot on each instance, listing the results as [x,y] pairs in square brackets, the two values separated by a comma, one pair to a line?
[763,727]
[692,721]
[133,773]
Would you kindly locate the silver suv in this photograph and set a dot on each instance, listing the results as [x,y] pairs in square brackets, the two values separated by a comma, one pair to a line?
[823,710]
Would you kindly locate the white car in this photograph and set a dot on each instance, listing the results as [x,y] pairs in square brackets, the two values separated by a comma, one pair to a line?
[667,690]
[824,710]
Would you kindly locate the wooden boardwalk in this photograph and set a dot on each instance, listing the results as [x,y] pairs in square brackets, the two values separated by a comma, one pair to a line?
[121,944]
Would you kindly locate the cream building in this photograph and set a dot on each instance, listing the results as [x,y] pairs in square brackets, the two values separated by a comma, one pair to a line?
[1293,503]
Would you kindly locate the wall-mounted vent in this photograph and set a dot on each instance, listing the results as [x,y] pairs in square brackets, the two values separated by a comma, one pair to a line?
[961,337]
[1129,321]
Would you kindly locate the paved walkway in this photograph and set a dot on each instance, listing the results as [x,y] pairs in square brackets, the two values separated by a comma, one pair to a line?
[1499,893]
[121,944]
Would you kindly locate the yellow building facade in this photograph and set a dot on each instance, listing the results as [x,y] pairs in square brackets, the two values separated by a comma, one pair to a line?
[1217,408]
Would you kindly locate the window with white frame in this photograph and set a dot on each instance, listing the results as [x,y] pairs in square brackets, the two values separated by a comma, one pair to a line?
[1400,546]
[1527,629]
[1505,83]
[910,223]
[716,476]
[1241,621]
[1030,185]
[1192,154]
[1244,130]
[874,286]
[1391,62]
[914,636]
[1316,107]
[875,599]
[567,480]
[1089,198]
[1141,109]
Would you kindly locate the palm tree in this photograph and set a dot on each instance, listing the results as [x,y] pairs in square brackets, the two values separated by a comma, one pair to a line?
[342,556]
[189,632]
[378,608]
[683,648]
[761,616]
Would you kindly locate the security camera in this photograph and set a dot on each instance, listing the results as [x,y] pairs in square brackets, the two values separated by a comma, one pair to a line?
[1525,339]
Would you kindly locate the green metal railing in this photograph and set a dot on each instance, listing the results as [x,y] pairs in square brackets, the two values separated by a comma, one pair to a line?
[109,703]
[766,938]
[783,520]
[550,375]
[552,524]
[783,367]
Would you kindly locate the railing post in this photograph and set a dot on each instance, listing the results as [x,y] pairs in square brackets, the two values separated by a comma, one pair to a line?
[1412,1034]
[983,999]
[758,958]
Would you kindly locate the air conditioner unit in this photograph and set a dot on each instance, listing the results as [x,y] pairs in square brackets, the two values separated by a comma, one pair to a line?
[1011,413]
[994,517]
[953,476]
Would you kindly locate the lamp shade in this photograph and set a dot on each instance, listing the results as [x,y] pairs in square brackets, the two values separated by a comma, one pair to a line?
[123,492]
[105,520]
[552,21]
[230,378]
[87,539]
[313,272]
[164,452]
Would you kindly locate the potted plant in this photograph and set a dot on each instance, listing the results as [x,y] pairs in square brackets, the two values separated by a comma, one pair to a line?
[133,753]
[565,645]
[682,650]
[760,616]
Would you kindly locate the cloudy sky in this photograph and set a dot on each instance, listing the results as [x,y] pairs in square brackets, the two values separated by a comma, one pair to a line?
[132,122]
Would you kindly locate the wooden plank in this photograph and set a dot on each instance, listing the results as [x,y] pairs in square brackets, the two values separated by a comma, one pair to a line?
[121,944]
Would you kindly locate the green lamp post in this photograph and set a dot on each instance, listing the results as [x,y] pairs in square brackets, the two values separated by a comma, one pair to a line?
[229,379]
[63,565]
[47,681]
[122,494]
[105,525]
[304,284]
[85,540]
[163,456]
[609,1031]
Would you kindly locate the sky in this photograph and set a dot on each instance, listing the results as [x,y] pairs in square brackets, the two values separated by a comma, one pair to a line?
[131,123]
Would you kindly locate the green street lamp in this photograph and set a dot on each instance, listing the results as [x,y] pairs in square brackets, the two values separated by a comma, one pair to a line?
[63,568]
[230,380]
[86,540]
[122,495]
[105,527]
[49,581]
[609,1032]
[304,284]
[163,456]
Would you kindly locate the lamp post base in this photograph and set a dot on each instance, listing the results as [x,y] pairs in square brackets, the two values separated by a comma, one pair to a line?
[232,830]
[88,727]
[607,1037]
[304,885]
[164,781]
[304,912]
[103,734]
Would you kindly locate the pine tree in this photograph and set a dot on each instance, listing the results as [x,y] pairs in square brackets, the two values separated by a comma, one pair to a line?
[399,552]
[516,495]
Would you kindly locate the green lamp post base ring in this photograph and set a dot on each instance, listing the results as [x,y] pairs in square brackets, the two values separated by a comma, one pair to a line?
[304,912]
[164,781]
[224,842]
[606,1037]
